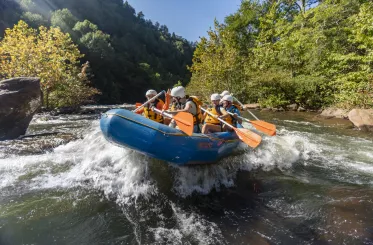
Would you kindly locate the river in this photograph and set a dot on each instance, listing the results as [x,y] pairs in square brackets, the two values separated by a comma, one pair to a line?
[310,184]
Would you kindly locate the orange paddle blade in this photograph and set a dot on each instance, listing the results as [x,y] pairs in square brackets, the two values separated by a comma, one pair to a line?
[184,121]
[250,138]
[265,127]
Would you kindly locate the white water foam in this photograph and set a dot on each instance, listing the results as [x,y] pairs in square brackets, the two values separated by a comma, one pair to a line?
[118,172]
[279,152]
[124,174]
[190,225]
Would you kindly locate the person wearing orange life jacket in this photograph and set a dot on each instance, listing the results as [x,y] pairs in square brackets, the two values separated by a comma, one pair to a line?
[184,103]
[147,110]
[230,107]
[212,124]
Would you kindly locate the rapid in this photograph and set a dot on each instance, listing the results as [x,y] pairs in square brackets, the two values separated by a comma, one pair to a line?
[65,184]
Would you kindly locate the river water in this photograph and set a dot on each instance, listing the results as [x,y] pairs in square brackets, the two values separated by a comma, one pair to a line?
[311,184]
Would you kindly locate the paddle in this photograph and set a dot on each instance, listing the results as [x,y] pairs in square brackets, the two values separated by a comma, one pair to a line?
[262,126]
[250,138]
[265,127]
[147,102]
[184,120]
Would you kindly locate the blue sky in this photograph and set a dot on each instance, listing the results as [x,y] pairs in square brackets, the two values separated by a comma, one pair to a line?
[190,19]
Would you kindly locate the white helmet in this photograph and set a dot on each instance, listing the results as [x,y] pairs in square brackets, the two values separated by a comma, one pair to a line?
[227,98]
[215,97]
[178,91]
[151,92]
[225,92]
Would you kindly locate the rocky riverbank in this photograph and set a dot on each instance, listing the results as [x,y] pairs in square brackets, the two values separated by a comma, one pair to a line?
[360,118]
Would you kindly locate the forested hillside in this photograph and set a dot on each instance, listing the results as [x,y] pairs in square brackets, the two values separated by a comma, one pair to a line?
[127,53]
[278,52]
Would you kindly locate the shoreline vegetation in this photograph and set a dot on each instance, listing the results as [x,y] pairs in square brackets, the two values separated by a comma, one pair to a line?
[283,55]
[314,54]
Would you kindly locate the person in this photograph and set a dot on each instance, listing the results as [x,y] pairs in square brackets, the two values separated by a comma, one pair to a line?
[183,103]
[230,107]
[211,123]
[224,93]
[147,109]
[236,104]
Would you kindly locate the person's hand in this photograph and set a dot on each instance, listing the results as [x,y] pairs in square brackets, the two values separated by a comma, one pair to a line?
[235,115]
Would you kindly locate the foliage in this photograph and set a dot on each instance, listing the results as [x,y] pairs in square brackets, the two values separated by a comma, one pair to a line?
[116,41]
[313,53]
[50,55]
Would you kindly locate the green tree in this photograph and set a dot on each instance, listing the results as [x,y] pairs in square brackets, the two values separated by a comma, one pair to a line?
[50,55]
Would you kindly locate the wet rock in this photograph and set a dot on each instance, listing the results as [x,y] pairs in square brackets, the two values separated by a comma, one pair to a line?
[301,109]
[363,119]
[292,107]
[335,112]
[36,143]
[251,106]
[20,98]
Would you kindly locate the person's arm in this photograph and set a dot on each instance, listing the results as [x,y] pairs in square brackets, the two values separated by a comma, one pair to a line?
[224,113]
[204,116]
[236,114]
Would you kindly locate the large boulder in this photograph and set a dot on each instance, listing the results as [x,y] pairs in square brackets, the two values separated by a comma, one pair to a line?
[363,119]
[334,112]
[20,98]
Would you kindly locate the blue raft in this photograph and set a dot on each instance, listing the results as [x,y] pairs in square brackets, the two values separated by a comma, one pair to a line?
[125,128]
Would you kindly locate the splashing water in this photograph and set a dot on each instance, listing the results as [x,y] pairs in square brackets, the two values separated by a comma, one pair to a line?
[92,191]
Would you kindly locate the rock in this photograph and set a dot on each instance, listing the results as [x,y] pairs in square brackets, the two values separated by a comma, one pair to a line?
[363,119]
[301,109]
[334,112]
[292,107]
[251,106]
[20,98]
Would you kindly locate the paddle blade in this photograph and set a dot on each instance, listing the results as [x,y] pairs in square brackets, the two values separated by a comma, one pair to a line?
[184,121]
[265,127]
[250,138]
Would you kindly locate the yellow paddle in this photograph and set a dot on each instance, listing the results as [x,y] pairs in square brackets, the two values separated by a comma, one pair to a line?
[184,120]
[265,127]
[250,138]
[262,126]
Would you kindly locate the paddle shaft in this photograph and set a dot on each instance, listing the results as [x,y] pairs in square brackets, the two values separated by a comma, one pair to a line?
[239,102]
[245,119]
[221,120]
[162,113]
[149,101]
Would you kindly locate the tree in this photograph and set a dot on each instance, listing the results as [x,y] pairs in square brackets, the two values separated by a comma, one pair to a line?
[50,55]
[64,19]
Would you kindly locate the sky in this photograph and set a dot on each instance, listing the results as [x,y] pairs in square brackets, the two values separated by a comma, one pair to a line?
[190,19]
